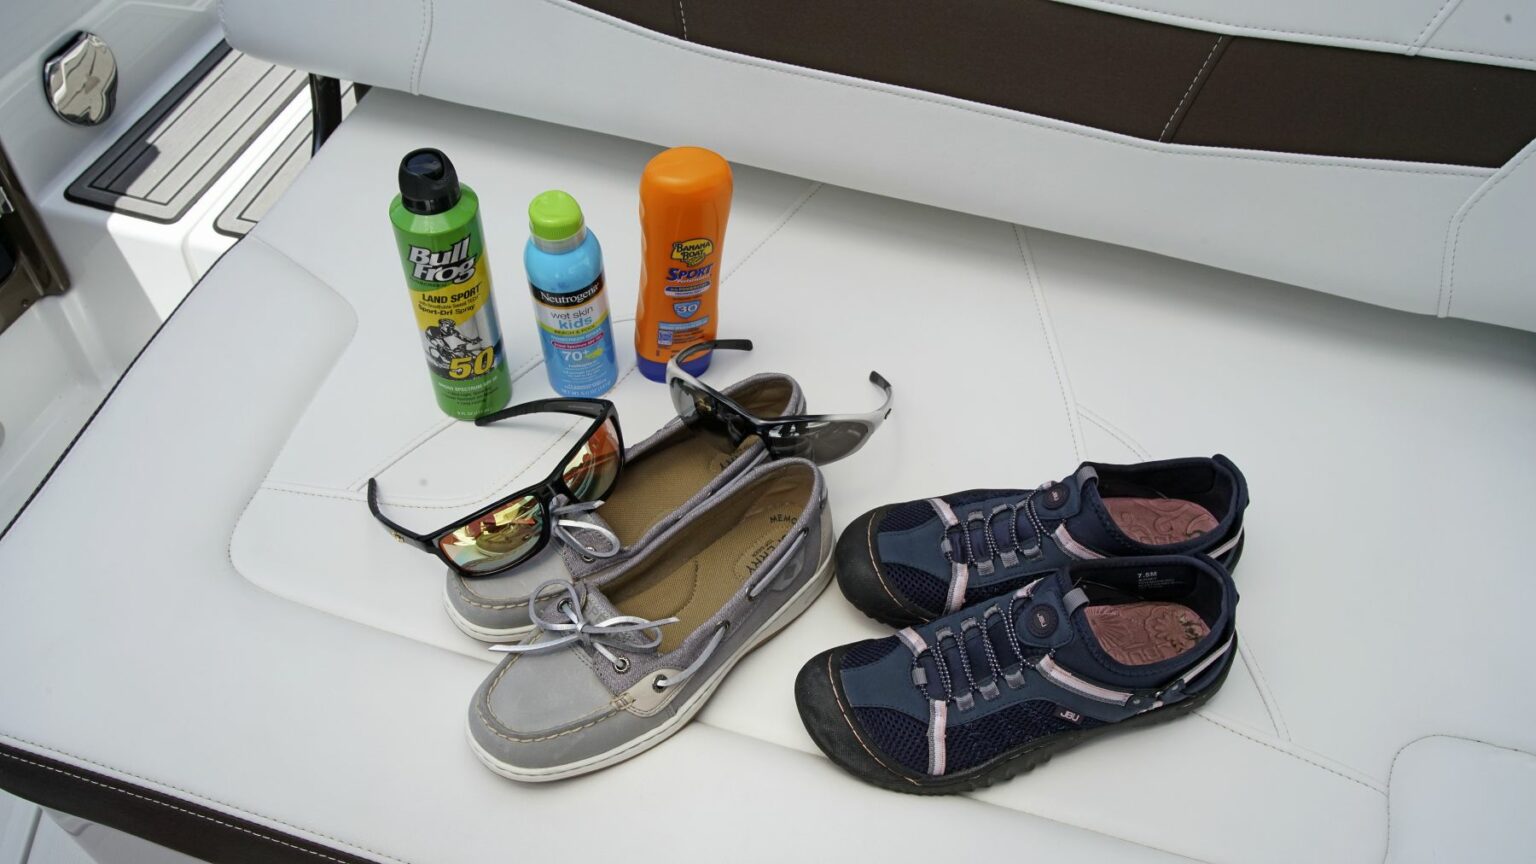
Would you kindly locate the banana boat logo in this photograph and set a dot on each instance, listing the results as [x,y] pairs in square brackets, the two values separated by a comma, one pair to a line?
[691,252]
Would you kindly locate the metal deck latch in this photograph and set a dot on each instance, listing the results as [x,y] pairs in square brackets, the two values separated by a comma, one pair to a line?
[81,80]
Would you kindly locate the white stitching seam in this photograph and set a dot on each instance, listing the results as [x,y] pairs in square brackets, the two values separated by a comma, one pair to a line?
[1266,694]
[1453,233]
[1294,755]
[1140,452]
[1163,136]
[421,46]
[684,16]
[997,114]
[1387,852]
[794,209]
[1432,25]
[1057,364]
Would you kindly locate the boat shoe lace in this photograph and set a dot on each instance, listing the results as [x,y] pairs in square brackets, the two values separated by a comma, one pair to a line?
[627,633]
[565,529]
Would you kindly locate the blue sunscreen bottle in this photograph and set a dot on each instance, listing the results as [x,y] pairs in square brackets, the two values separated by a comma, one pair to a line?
[570,302]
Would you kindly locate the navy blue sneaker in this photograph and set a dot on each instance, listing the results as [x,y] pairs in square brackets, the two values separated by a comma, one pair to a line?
[999,687]
[909,563]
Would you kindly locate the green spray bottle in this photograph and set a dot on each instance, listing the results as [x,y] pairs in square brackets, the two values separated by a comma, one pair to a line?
[442,250]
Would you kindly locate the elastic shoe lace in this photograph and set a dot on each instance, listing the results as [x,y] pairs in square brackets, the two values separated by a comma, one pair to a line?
[1008,554]
[962,684]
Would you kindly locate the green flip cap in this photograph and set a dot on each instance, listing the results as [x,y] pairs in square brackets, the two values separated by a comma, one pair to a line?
[554,215]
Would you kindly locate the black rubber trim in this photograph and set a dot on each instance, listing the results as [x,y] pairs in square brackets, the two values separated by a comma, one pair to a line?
[861,582]
[165,162]
[172,822]
[1142,78]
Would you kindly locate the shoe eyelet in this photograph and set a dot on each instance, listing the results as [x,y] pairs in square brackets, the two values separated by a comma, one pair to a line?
[588,558]
[621,665]
[659,683]
[725,626]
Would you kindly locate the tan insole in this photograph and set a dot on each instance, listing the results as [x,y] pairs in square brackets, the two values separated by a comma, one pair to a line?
[1159,521]
[694,587]
[660,482]
[1147,632]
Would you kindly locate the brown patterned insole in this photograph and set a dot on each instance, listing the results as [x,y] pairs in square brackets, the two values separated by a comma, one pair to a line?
[1140,633]
[1159,521]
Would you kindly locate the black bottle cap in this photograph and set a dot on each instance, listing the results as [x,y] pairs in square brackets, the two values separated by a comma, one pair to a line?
[428,183]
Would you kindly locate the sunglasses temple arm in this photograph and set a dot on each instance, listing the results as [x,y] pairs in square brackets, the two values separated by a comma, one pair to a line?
[878,380]
[730,344]
[580,407]
[711,345]
[399,532]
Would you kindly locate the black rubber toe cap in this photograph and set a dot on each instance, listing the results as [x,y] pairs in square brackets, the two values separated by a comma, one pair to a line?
[859,576]
[829,723]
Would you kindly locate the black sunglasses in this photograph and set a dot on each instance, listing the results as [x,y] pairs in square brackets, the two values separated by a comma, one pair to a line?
[517,527]
[821,438]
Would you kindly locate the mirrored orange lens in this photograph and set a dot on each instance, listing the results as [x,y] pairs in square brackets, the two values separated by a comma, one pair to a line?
[592,471]
[497,539]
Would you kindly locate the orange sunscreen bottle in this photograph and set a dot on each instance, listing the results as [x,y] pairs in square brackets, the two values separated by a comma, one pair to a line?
[685,198]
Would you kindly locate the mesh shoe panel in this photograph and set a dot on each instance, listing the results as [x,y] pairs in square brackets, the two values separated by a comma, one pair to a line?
[903,517]
[868,651]
[896,736]
[917,586]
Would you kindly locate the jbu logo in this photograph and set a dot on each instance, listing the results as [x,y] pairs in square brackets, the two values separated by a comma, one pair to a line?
[686,310]
[691,252]
[452,265]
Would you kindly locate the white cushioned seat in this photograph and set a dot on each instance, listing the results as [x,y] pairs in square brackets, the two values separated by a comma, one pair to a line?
[198,602]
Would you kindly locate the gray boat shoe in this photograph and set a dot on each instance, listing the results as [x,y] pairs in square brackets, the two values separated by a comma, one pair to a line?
[666,477]
[620,662]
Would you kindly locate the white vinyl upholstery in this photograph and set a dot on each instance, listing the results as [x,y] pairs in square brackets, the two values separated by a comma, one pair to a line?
[199,602]
[1373,230]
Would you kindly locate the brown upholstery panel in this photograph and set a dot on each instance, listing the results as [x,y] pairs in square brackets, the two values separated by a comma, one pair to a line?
[1267,95]
[1040,57]
[1130,76]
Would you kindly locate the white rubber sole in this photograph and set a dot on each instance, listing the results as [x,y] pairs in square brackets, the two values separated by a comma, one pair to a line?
[484,634]
[791,610]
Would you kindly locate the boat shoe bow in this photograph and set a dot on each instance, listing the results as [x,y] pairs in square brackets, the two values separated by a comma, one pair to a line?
[996,688]
[623,660]
[908,563]
[666,477]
